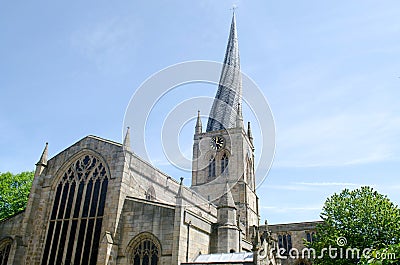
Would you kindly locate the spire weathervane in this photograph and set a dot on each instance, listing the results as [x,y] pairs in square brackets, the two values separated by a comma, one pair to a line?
[234,7]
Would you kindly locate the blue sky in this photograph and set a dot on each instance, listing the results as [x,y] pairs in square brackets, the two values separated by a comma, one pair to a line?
[329,69]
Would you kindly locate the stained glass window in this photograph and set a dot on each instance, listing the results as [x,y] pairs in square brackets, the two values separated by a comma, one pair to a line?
[144,250]
[74,227]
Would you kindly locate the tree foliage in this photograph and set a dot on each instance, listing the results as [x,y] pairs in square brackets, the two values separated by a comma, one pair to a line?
[14,191]
[385,256]
[362,219]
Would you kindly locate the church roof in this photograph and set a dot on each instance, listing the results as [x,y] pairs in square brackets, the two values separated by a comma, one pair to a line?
[224,258]
[226,105]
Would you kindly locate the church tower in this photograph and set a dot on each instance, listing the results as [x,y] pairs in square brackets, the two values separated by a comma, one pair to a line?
[224,153]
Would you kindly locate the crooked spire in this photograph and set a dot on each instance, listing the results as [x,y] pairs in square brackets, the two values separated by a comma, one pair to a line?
[229,94]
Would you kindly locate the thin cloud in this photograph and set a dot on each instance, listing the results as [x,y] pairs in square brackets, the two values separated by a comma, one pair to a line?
[108,43]
[339,140]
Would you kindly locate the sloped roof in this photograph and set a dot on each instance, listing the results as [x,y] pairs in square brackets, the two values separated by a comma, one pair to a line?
[224,258]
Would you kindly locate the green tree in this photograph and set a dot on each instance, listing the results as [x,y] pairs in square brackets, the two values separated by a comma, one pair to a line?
[384,256]
[359,219]
[14,191]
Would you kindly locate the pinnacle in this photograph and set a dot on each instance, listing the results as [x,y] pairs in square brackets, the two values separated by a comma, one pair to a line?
[127,140]
[43,158]
[227,199]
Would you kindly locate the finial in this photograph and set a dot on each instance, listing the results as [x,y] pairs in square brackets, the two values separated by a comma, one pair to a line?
[127,140]
[249,134]
[239,109]
[179,193]
[43,158]
[199,125]
[256,238]
[239,117]
[234,7]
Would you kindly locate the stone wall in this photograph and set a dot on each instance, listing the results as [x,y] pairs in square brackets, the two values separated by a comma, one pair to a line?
[11,226]
[143,216]
[141,176]
[298,233]
[241,173]
[139,198]
[10,229]
[33,227]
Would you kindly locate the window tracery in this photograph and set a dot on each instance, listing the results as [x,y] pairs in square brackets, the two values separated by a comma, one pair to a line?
[144,250]
[77,214]
[224,165]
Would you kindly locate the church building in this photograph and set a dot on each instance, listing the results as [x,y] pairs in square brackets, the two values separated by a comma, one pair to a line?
[97,202]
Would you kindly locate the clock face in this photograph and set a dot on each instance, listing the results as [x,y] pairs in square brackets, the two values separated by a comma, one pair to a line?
[217,142]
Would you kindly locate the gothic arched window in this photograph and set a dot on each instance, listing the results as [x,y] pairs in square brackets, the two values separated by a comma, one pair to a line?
[74,227]
[285,243]
[5,246]
[211,168]
[144,249]
[224,165]
[310,236]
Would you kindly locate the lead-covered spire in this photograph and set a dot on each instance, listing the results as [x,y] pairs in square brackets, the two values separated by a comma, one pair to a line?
[229,94]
